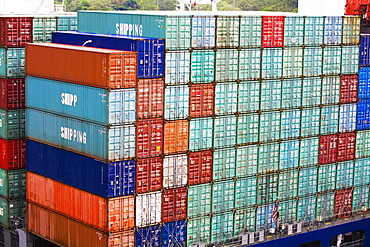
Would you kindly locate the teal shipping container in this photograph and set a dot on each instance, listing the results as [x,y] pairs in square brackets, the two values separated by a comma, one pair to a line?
[311,91]
[350,61]
[288,211]
[176,102]
[249,96]
[67,23]
[201,134]
[360,198]
[198,231]
[307,181]
[270,126]
[308,152]
[306,208]
[267,188]
[12,213]
[224,131]
[329,120]
[12,124]
[345,174]
[271,95]
[272,63]
[199,200]
[314,30]
[248,128]
[250,31]
[325,205]
[223,197]
[42,28]
[362,144]
[293,31]
[202,66]
[332,59]
[227,65]
[12,62]
[268,157]
[172,26]
[226,98]
[330,90]
[177,67]
[288,184]
[292,62]
[222,226]
[313,59]
[93,104]
[291,95]
[246,161]
[326,177]
[361,172]
[98,141]
[289,154]
[13,183]
[227,31]
[310,123]
[224,164]
[290,124]
[245,192]
[244,220]
[250,64]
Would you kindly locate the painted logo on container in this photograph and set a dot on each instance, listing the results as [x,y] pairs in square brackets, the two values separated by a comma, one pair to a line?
[129,29]
[69,99]
[73,135]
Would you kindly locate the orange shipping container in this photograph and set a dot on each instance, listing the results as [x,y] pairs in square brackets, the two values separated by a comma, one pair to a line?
[114,214]
[176,136]
[67,232]
[95,67]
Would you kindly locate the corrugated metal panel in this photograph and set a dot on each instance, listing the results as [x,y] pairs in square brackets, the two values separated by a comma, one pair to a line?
[12,124]
[202,66]
[203,34]
[13,154]
[86,103]
[200,167]
[307,181]
[224,163]
[199,200]
[224,131]
[364,50]
[176,136]
[270,126]
[226,98]
[201,133]
[149,174]
[314,30]
[15,31]
[360,198]
[293,30]
[361,172]
[149,138]
[328,152]
[148,209]
[249,96]
[348,88]
[223,196]
[347,117]
[268,157]
[249,64]
[244,220]
[345,174]
[13,213]
[13,183]
[292,62]
[175,171]
[288,185]
[326,177]
[149,98]
[245,192]
[362,144]
[250,31]
[289,154]
[325,205]
[272,63]
[267,189]
[227,31]
[310,123]
[350,62]
[174,204]
[332,58]
[248,128]
[222,227]
[174,234]
[291,95]
[333,30]
[313,59]
[290,124]
[12,62]
[364,83]
[198,230]
[271,95]
[148,235]
[273,31]
[13,93]
[311,91]
[115,143]
[346,146]
[246,161]
[306,208]
[176,104]
[177,67]
[42,28]
[351,30]
[202,100]
[308,151]
[264,219]
[363,115]
[67,23]
[178,32]
[329,120]
[288,210]
[330,90]
[227,65]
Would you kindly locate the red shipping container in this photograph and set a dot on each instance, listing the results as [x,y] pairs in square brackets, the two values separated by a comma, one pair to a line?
[174,203]
[150,93]
[201,100]
[13,93]
[15,31]
[176,136]
[149,137]
[149,175]
[328,149]
[273,31]
[346,146]
[65,231]
[114,214]
[343,203]
[95,67]
[348,88]
[200,167]
[14,154]
[356,7]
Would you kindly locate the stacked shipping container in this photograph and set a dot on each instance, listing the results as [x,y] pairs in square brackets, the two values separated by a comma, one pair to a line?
[253,112]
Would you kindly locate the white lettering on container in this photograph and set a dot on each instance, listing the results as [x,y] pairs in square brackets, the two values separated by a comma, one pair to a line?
[73,135]
[69,99]
[129,29]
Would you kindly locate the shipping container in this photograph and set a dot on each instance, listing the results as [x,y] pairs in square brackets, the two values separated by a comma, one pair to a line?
[330,90]
[349,62]
[226,98]
[175,171]
[291,94]
[326,177]
[314,30]
[361,172]
[272,63]
[13,154]
[13,93]
[288,211]
[306,208]
[249,64]
[150,235]
[290,124]
[101,106]
[325,206]
[362,144]
[78,234]
[12,124]
[150,51]
[149,173]
[293,31]
[115,143]
[343,203]
[176,136]
[348,88]
[176,102]
[333,30]
[364,50]
[177,32]
[13,184]
[245,192]
[267,189]
[224,164]
[246,161]
[202,66]
[308,151]
[351,30]
[203,32]
[148,209]
[222,227]
[364,83]
[67,23]
[174,234]
[223,197]
[15,31]
[270,126]
[363,115]
[264,218]
[332,59]
[112,69]
[271,95]
[307,181]
[201,100]
[13,213]
[250,31]
[12,62]
[289,154]
[200,167]
[174,204]
[346,146]
[248,128]
[292,62]
[345,174]
[288,184]
[177,67]
[347,117]
[249,96]
[149,98]
[115,214]
[312,61]
[268,157]
[244,220]
[199,200]
[201,134]
[360,199]
[311,91]
[329,120]
[273,31]
[225,131]
[227,31]
[42,28]
[310,123]
[227,65]
[198,231]
[149,138]
[328,152]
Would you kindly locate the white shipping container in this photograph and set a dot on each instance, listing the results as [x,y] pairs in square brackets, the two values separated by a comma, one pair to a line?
[148,209]
[175,171]
[177,67]
[347,117]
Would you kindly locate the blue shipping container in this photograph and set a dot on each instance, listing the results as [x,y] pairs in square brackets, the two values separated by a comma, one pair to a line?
[174,234]
[148,236]
[150,50]
[103,179]
[364,50]
[364,83]
[363,115]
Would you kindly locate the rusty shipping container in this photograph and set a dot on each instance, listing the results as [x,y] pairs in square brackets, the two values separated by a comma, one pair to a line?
[113,215]
[95,67]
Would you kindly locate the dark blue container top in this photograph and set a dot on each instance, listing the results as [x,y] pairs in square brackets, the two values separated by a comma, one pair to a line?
[150,50]
[365,50]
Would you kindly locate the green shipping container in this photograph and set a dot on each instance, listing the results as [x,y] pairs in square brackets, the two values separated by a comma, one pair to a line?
[291,95]
[249,96]
[360,198]
[270,126]
[345,174]
[244,220]
[307,181]
[12,213]
[310,123]
[306,209]
[361,172]
[12,124]
[227,65]
[250,64]
[198,231]
[332,60]
[271,95]
[330,90]
[267,188]
[199,200]
[326,177]
[222,227]
[292,62]
[226,98]
[325,206]
[67,23]
[288,211]
[246,161]
[245,192]
[362,144]
[227,29]
[329,120]
[12,62]
[350,61]
[224,162]
[43,27]
[224,131]
[251,31]
[268,157]
[13,183]
[223,196]
[309,152]
[293,30]
[288,184]
[312,64]
[248,126]
[311,91]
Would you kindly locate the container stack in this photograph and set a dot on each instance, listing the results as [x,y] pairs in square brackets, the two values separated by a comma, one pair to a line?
[253,114]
